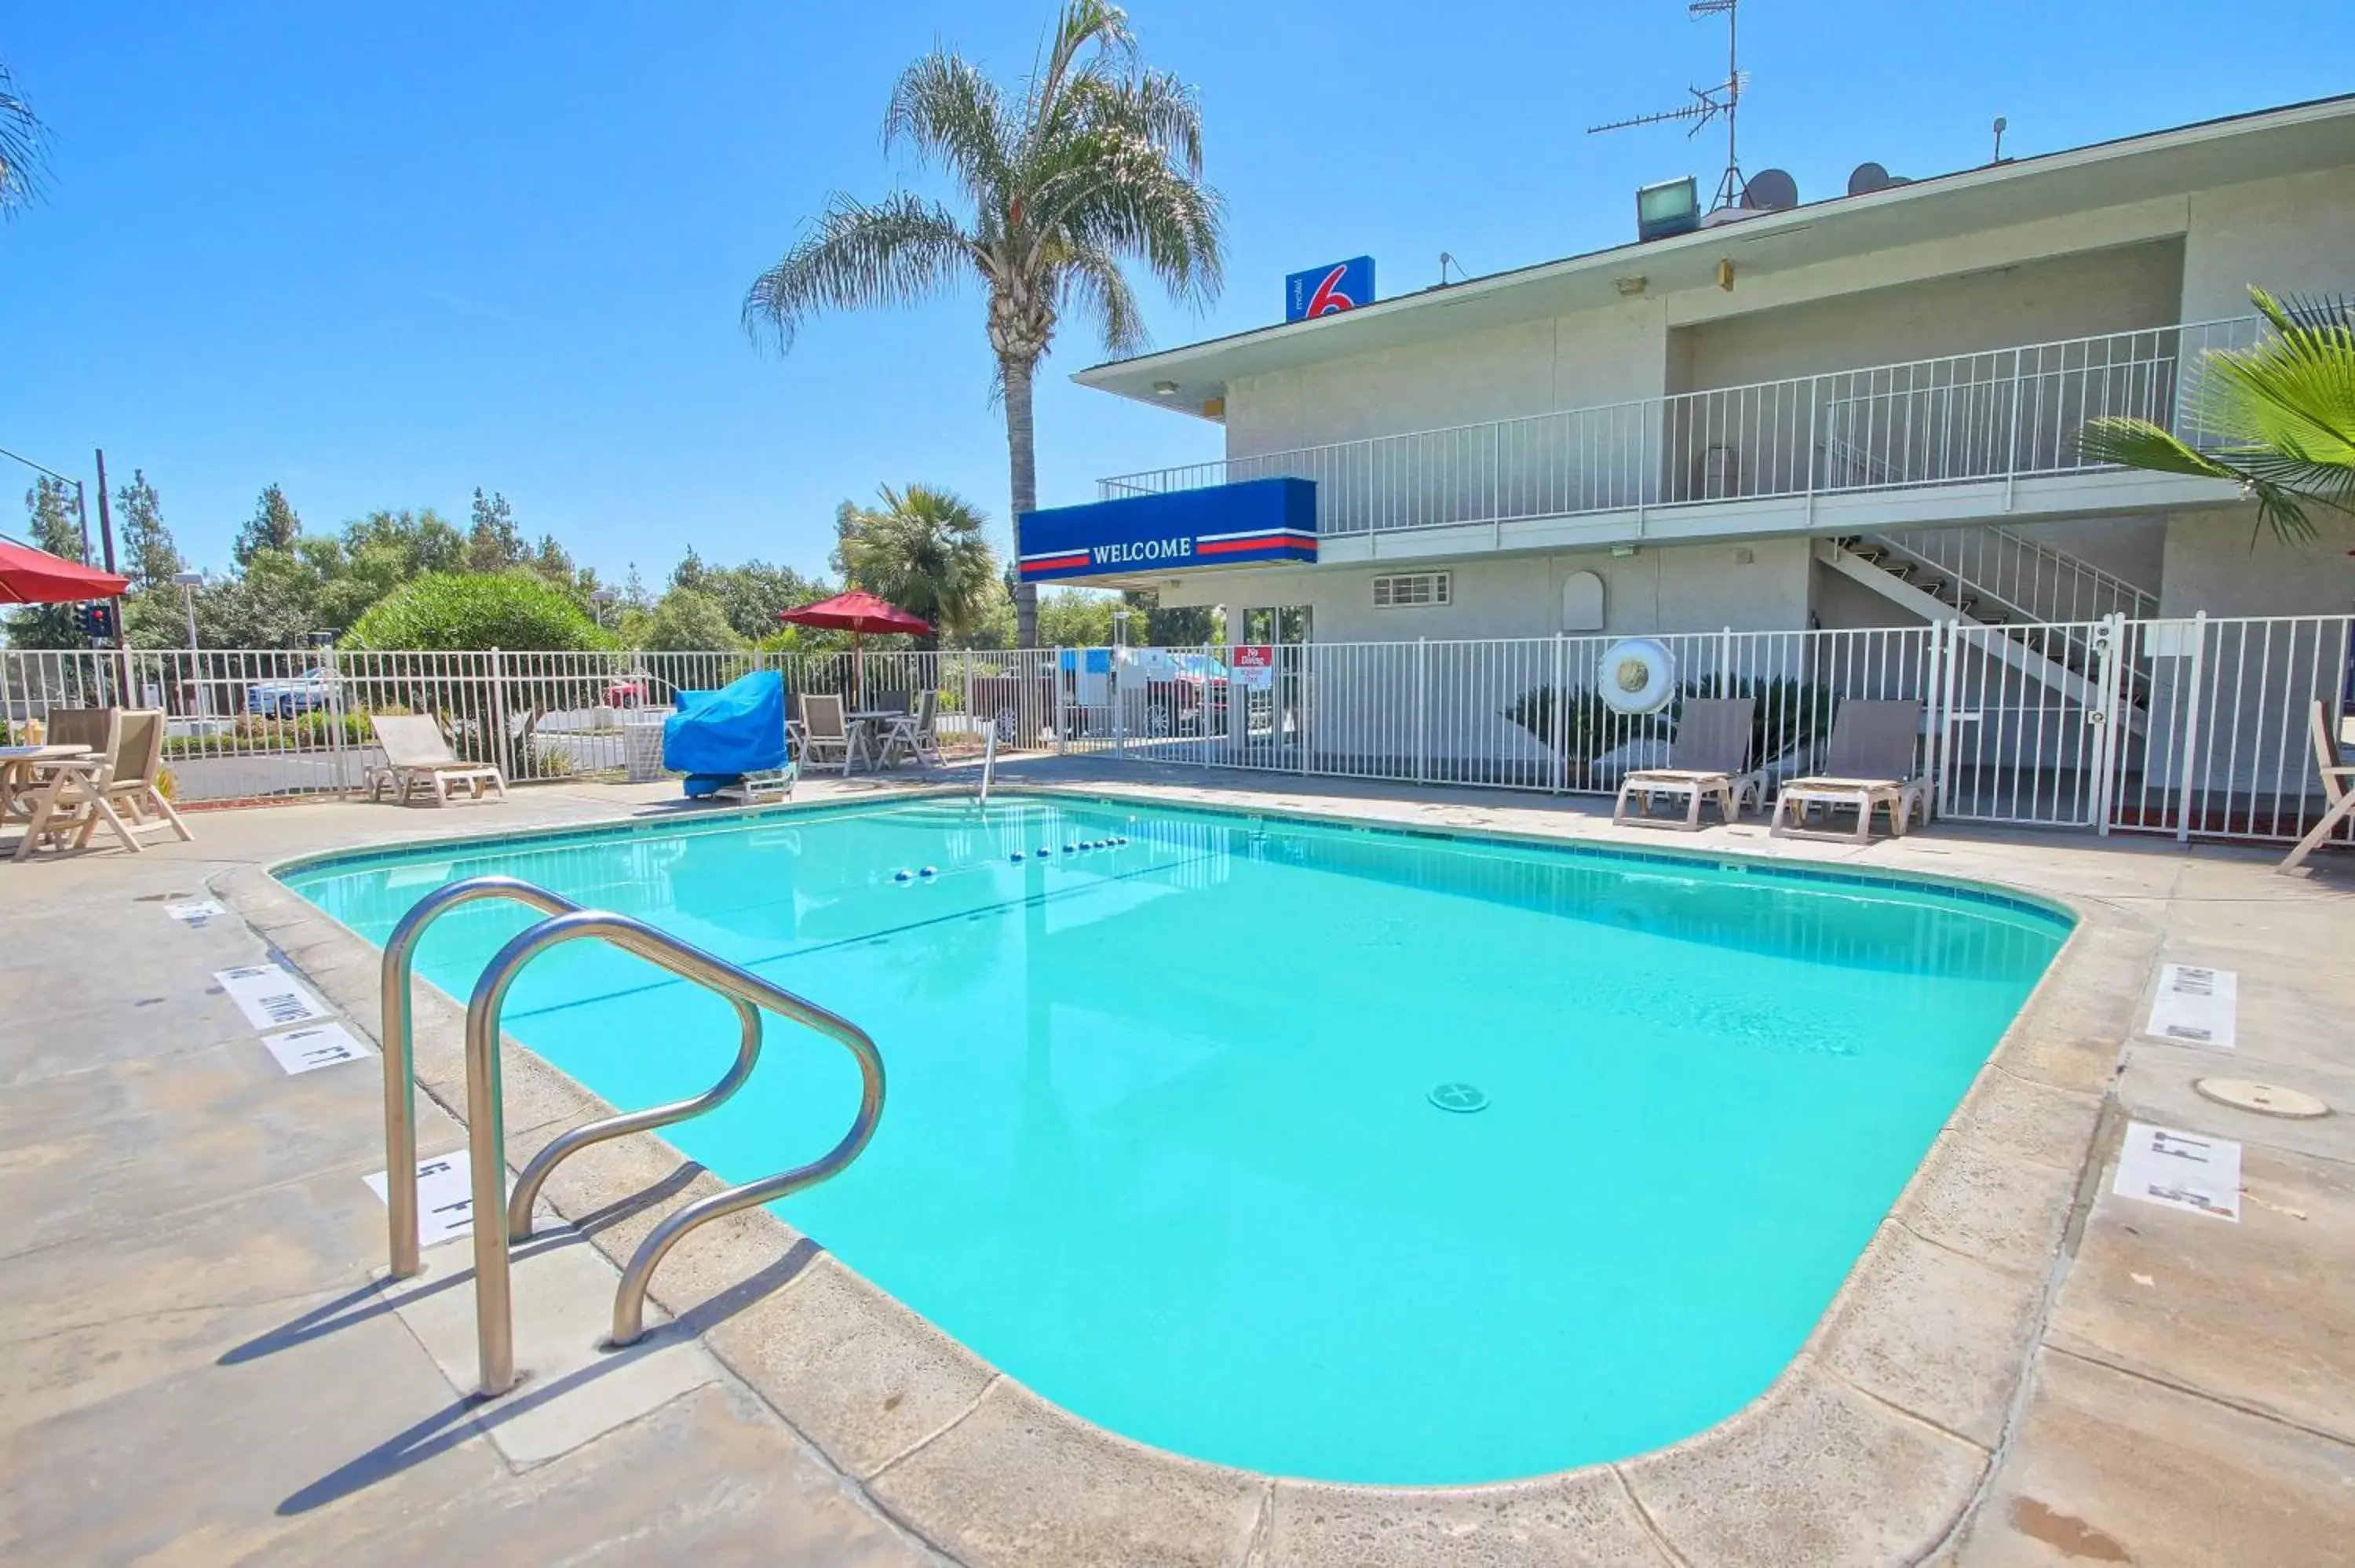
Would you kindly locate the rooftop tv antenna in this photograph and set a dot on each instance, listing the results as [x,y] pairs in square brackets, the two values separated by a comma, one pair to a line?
[1707,103]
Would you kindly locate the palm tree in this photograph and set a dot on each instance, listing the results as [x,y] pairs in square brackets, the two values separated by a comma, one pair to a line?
[20,147]
[1095,161]
[923,549]
[2284,410]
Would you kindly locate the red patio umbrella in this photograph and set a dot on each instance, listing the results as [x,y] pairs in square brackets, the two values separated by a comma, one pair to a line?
[857,613]
[34,577]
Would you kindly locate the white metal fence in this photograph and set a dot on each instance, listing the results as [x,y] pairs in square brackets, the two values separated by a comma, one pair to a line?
[2006,413]
[2185,728]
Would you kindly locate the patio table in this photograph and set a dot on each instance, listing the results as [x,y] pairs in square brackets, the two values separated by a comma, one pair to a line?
[16,765]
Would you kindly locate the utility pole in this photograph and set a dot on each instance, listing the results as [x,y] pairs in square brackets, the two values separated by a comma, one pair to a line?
[105,514]
[121,640]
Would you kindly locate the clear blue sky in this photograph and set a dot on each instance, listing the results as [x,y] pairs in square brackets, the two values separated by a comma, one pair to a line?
[382,254]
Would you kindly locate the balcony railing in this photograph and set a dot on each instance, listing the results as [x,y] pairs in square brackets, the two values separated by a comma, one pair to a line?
[2006,413]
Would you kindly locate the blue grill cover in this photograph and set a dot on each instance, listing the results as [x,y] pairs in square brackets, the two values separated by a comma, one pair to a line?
[717,737]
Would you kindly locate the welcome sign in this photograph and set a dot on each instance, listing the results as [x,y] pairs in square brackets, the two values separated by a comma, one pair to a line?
[1224,524]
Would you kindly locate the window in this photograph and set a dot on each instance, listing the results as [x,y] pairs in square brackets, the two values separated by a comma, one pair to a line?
[1406,589]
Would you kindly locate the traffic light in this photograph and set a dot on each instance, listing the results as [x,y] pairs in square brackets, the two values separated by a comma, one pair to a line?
[96,620]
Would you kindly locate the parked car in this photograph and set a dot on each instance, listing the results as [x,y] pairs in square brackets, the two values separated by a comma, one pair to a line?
[626,694]
[1185,693]
[310,691]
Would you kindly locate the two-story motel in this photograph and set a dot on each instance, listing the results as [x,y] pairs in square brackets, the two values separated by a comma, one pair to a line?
[1816,451]
[1854,412]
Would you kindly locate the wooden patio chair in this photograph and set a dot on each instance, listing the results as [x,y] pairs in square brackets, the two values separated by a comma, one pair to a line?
[2338,785]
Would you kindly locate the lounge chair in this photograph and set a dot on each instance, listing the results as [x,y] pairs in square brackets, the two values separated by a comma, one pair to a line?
[826,741]
[1869,763]
[916,735]
[129,748]
[1709,760]
[2338,785]
[416,752]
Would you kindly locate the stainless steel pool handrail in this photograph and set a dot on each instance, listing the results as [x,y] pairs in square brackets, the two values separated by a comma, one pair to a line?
[988,764]
[395,1035]
[486,1131]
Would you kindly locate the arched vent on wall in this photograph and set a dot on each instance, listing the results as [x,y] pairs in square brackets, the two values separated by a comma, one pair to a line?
[1582,602]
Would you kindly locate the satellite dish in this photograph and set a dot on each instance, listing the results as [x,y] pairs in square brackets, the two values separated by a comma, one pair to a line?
[1871,178]
[1772,190]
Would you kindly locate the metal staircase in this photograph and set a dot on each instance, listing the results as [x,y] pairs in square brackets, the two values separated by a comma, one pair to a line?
[2046,602]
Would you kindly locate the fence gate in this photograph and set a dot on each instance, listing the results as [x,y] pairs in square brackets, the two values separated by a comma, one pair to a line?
[2225,745]
[2032,716]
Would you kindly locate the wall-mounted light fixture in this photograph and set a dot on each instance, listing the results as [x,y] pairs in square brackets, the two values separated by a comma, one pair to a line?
[1631,286]
[1164,390]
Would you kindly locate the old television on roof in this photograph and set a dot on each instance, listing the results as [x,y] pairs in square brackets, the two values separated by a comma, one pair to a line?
[1672,207]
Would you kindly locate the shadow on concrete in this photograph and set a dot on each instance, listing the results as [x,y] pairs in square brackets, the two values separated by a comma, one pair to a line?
[370,1300]
[471,1414]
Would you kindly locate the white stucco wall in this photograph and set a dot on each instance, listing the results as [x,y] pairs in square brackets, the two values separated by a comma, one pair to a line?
[2215,564]
[1595,357]
[2293,235]
[2030,301]
[2134,548]
[1685,589]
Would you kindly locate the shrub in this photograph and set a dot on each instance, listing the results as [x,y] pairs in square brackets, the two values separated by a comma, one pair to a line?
[518,611]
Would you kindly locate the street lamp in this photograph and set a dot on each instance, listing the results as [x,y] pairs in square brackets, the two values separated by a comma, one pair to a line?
[600,600]
[190,583]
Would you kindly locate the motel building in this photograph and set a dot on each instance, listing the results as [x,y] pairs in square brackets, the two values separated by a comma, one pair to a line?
[1806,449]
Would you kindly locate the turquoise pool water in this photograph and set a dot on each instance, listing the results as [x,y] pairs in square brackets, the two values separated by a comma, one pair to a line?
[1159,1142]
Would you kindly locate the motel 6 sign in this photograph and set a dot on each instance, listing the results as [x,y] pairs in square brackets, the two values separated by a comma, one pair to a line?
[1323,290]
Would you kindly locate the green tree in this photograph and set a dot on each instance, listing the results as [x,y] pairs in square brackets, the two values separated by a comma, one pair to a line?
[21,152]
[274,603]
[493,543]
[1093,161]
[1160,627]
[2284,411]
[51,524]
[923,550]
[149,559]
[272,526]
[1076,618]
[690,620]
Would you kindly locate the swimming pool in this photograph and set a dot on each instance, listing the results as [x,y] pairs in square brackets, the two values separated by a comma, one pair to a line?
[1162,1140]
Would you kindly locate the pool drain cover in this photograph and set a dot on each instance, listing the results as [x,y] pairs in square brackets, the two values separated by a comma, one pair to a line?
[1465,1098]
[2266,1099]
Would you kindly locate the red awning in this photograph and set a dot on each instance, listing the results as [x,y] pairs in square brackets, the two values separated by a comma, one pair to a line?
[855,611]
[33,577]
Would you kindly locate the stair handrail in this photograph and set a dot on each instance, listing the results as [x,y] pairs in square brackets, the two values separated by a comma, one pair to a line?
[395,1034]
[988,764]
[485,1130]
[2137,602]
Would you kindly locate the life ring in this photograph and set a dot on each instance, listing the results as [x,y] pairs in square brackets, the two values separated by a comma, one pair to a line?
[1636,675]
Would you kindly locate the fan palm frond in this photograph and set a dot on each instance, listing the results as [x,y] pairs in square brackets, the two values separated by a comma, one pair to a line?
[2276,417]
[21,148]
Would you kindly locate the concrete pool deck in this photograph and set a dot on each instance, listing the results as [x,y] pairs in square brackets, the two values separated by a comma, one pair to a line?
[2025,1368]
